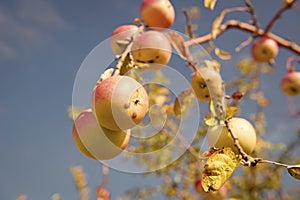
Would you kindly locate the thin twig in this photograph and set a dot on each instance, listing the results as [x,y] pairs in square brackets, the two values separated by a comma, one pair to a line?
[285,7]
[188,23]
[253,15]
[248,28]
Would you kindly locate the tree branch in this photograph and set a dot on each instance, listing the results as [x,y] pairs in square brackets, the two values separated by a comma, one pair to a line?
[248,28]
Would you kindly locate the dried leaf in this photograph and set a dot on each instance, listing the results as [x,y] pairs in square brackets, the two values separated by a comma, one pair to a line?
[218,168]
[247,66]
[178,43]
[210,4]
[75,111]
[294,171]
[224,55]
[126,65]
[183,100]
[210,121]
[216,23]
[231,111]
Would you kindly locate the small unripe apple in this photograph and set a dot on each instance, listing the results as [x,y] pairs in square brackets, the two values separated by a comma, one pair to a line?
[157,13]
[264,49]
[206,82]
[219,136]
[97,142]
[120,38]
[152,48]
[119,102]
[290,83]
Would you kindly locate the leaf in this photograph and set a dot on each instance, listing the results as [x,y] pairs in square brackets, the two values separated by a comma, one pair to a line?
[247,66]
[231,111]
[178,43]
[75,111]
[224,55]
[218,168]
[216,23]
[126,65]
[183,101]
[210,4]
[294,171]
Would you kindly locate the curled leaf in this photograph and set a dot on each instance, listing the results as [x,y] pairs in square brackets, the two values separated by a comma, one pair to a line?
[216,23]
[210,4]
[178,43]
[183,101]
[224,55]
[126,65]
[294,171]
[218,168]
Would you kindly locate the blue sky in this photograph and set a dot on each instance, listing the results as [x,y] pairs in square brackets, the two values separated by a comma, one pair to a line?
[42,45]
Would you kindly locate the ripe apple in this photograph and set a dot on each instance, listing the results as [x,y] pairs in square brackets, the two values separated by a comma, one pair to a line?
[206,82]
[264,49]
[157,13]
[97,142]
[120,36]
[152,48]
[119,102]
[290,83]
[219,137]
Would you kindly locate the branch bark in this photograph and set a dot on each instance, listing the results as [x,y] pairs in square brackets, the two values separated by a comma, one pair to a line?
[287,44]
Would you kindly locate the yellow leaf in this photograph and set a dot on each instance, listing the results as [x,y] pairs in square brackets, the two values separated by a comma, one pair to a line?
[216,23]
[222,54]
[218,168]
[210,4]
[75,111]
[294,171]
[247,66]
[178,43]
[231,111]
[182,101]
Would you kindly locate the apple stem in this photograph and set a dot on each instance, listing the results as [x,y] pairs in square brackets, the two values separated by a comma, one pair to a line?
[285,43]
[289,61]
[285,7]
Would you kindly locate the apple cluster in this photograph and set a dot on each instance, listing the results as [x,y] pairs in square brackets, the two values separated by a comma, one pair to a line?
[119,102]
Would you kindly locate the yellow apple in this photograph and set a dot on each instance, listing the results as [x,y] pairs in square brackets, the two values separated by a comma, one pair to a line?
[219,137]
[152,48]
[97,142]
[264,49]
[157,13]
[290,83]
[119,103]
[121,37]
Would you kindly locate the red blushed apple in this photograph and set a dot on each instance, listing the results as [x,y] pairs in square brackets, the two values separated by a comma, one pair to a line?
[97,142]
[219,136]
[121,36]
[119,102]
[152,48]
[157,13]
[264,49]
[290,83]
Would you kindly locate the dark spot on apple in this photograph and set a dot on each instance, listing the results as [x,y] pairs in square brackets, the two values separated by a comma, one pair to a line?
[202,85]
[136,102]
[294,90]
[126,105]
[207,96]
[134,115]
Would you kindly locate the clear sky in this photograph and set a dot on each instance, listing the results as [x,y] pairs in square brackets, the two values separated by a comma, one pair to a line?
[42,45]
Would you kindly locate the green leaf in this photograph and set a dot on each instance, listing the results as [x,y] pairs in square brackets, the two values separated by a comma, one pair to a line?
[219,167]
[210,4]
[178,43]
[294,171]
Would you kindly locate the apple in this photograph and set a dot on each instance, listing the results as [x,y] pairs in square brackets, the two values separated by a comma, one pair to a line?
[120,38]
[206,82]
[264,49]
[219,136]
[119,102]
[151,48]
[97,142]
[157,13]
[290,83]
